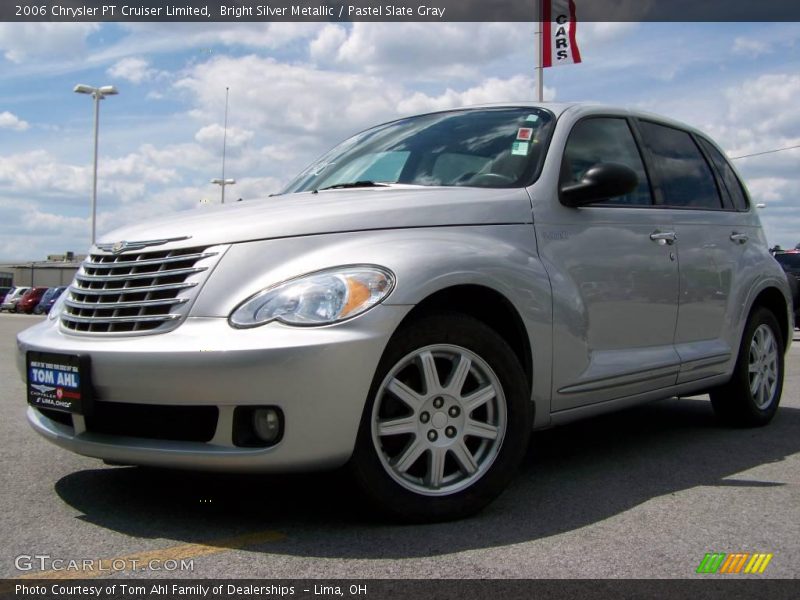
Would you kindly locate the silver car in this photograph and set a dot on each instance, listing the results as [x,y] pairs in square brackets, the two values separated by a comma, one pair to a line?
[12,298]
[417,302]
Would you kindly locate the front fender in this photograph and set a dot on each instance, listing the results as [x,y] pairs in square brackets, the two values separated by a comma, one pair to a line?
[424,260]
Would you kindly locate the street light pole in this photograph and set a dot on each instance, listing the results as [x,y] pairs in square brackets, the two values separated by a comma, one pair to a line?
[97,94]
[94,169]
[224,142]
[222,183]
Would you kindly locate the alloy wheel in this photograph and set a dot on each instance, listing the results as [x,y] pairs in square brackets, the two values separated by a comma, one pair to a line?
[439,420]
[763,366]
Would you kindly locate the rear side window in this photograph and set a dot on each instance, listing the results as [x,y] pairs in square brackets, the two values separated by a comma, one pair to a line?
[685,178]
[731,182]
[605,139]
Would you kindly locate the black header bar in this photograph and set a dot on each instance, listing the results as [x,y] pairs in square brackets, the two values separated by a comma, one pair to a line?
[710,587]
[393,10]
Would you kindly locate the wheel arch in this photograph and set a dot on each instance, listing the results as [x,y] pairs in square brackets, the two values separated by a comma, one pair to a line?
[490,307]
[774,300]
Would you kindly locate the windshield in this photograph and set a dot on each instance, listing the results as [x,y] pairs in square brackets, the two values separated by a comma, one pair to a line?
[496,147]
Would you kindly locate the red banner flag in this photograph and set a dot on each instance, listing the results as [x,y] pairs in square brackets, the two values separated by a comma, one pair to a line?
[559,25]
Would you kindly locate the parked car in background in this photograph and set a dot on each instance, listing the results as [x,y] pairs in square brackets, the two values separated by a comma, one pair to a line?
[12,297]
[30,299]
[48,299]
[3,292]
[417,302]
[790,261]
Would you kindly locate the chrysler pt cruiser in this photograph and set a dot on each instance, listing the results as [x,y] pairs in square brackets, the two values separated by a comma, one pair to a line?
[418,301]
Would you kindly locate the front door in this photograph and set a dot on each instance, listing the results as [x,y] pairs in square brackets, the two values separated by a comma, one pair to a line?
[614,273]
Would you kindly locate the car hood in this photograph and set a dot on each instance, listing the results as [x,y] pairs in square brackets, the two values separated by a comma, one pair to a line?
[335,211]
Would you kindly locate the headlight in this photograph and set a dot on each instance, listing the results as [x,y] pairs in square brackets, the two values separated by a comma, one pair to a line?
[319,298]
[58,305]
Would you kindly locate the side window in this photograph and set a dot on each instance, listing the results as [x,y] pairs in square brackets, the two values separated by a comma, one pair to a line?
[685,178]
[729,179]
[605,139]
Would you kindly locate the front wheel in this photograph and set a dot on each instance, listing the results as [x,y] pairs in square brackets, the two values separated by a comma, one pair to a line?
[751,397]
[447,421]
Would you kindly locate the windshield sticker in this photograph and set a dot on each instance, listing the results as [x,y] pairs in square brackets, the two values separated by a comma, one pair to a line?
[524,133]
[532,118]
[519,148]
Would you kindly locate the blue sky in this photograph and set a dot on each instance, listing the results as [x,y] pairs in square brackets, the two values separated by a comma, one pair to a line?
[296,89]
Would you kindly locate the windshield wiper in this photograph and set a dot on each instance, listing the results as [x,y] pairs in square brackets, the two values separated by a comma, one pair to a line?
[353,184]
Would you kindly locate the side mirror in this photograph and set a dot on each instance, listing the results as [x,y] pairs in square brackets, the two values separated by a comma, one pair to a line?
[600,182]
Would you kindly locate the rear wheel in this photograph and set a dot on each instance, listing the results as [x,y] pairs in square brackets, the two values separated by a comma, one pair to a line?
[751,397]
[447,422]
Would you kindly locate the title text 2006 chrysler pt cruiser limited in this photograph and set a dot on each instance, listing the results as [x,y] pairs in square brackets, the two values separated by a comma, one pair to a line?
[419,300]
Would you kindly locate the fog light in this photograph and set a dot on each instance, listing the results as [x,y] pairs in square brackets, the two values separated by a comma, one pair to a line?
[267,424]
[257,426]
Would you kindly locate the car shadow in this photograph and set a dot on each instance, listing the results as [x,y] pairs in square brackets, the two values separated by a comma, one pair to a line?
[573,476]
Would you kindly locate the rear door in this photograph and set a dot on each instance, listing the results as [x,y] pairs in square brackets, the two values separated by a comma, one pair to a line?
[713,243]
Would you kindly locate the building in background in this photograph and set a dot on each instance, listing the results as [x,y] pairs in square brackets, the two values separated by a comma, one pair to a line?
[57,270]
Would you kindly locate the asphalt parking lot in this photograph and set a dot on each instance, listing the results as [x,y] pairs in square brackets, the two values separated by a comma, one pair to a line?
[640,494]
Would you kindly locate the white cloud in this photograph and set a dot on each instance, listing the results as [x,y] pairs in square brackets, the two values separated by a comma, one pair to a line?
[767,104]
[40,171]
[424,50]
[124,179]
[750,47]
[135,70]
[325,47]
[517,88]
[24,41]
[12,121]
[212,136]
[442,51]
[153,38]
[289,99]
[600,33]
[30,230]
[770,189]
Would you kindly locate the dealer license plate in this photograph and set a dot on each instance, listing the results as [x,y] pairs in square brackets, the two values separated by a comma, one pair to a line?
[59,382]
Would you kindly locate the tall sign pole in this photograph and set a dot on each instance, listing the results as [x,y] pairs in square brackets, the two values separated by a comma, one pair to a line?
[540,78]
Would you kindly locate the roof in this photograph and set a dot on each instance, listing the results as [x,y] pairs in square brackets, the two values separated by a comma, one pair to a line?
[40,264]
[559,108]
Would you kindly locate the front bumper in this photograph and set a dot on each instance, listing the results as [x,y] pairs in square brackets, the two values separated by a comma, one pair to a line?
[318,377]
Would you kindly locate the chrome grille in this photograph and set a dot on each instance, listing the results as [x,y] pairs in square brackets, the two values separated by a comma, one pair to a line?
[136,292]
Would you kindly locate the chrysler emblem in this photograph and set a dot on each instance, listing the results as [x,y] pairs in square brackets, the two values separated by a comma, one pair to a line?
[123,245]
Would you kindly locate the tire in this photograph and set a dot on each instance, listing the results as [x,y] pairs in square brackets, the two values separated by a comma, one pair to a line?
[751,399]
[444,449]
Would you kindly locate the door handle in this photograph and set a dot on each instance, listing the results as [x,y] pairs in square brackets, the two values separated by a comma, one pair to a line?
[664,237]
[739,237]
